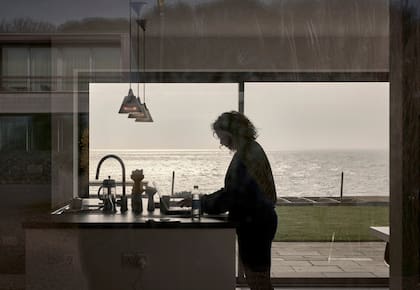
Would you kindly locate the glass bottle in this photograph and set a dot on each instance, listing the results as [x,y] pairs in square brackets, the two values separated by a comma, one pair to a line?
[195,205]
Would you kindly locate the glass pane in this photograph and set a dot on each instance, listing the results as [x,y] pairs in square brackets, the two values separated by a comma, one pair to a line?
[106,58]
[74,59]
[179,139]
[13,133]
[15,68]
[281,35]
[41,132]
[40,69]
[314,133]
[22,159]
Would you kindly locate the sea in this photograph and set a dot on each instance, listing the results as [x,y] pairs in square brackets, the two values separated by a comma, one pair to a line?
[296,173]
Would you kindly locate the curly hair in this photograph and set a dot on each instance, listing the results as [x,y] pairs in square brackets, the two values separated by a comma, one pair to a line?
[237,124]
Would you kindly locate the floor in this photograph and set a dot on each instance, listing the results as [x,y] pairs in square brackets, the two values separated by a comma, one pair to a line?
[305,259]
[300,288]
[320,259]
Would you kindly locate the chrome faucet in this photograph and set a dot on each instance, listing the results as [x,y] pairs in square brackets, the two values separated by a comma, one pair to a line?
[123,201]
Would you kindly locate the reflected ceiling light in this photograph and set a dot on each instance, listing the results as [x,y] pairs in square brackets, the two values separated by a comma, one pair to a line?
[147,118]
[160,4]
[137,6]
[141,113]
[136,115]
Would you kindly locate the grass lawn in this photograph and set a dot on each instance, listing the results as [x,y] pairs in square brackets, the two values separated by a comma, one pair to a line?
[324,223]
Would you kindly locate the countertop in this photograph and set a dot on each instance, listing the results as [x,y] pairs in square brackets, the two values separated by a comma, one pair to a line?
[89,216]
[380,232]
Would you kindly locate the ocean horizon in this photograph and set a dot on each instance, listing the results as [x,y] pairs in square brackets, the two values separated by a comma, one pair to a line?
[297,173]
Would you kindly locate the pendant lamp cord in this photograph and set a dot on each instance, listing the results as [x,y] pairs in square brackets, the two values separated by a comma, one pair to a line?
[144,61]
[138,60]
[129,38]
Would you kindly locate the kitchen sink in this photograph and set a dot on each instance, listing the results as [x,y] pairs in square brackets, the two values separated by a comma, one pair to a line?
[90,209]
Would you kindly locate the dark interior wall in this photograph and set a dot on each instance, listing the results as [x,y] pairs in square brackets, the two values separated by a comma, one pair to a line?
[405,145]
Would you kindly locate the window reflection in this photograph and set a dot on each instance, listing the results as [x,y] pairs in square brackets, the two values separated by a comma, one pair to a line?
[43,69]
[15,65]
[14,133]
[40,73]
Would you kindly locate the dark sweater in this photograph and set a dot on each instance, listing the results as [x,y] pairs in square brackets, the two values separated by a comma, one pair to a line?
[249,190]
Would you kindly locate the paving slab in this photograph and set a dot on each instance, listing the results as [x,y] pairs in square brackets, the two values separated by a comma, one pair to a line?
[335,263]
[291,263]
[320,269]
[349,275]
[317,259]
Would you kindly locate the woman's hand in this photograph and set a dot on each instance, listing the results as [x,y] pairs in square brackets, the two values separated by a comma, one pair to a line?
[185,202]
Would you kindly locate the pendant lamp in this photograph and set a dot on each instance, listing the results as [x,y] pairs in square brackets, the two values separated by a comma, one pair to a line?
[130,103]
[146,117]
[140,114]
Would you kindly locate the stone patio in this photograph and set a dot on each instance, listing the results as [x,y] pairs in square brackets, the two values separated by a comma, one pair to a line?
[334,259]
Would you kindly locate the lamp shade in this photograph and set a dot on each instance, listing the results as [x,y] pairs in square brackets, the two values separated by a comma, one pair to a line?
[147,116]
[136,115]
[137,6]
[130,104]
[140,113]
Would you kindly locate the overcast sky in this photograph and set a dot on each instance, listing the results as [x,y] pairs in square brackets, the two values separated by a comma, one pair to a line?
[320,115]
[182,116]
[289,116]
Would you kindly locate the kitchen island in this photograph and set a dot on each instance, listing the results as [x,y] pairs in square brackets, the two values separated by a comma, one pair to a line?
[88,249]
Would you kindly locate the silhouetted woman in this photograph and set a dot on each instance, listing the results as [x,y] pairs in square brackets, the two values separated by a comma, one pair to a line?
[249,195]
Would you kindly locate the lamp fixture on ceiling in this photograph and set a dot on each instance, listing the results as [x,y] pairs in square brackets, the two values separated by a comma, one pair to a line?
[145,116]
[130,103]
